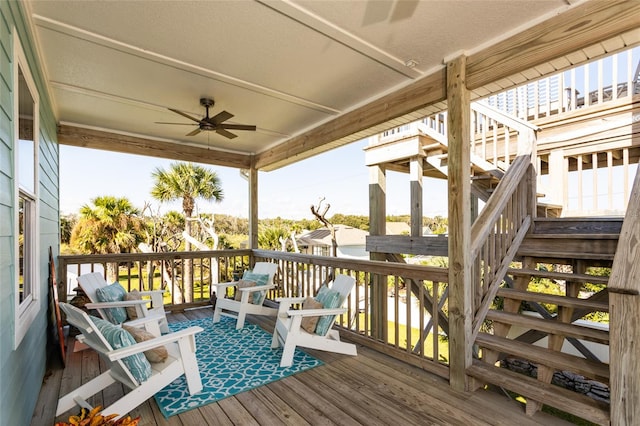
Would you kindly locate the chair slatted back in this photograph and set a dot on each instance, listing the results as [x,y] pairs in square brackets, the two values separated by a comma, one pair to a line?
[266,268]
[343,284]
[94,339]
[90,283]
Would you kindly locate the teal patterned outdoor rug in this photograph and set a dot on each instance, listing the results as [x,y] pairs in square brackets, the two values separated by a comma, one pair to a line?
[230,361]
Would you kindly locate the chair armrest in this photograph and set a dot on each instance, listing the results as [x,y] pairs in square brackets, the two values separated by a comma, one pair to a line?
[286,302]
[157,297]
[153,343]
[290,300]
[151,293]
[222,286]
[258,288]
[142,321]
[119,304]
[316,312]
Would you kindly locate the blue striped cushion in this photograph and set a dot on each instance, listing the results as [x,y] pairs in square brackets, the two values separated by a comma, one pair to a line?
[121,338]
[113,293]
[330,299]
[259,279]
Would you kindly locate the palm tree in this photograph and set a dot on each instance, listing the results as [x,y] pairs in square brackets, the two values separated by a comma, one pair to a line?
[111,225]
[188,182]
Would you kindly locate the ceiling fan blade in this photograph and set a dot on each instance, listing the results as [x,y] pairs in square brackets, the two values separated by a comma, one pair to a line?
[184,114]
[238,126]
[195,132]
[223,132]
[179,124]
[220,117]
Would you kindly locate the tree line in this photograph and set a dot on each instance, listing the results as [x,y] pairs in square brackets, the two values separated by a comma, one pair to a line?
[111,224]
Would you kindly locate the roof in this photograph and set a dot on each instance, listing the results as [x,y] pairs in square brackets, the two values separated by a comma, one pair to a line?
[398,228]
[311,75]
[345,236]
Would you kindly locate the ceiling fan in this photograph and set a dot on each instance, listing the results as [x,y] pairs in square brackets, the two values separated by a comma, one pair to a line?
[215,123]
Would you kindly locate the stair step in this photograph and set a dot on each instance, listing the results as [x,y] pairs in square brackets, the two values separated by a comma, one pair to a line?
[570,302]
[552,395]
[538,355]
[568,248]
[593,236]
[578,225]
[551,326]
[580,278]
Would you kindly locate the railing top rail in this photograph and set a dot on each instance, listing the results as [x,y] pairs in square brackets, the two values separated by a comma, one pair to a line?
[504,118]
[625,272]
[374,266]
[492,210]
[124,257]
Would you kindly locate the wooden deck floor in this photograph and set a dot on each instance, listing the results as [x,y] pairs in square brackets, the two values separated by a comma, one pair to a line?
[370,389]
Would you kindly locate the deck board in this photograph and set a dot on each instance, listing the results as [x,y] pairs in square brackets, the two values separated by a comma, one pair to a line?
[371,389]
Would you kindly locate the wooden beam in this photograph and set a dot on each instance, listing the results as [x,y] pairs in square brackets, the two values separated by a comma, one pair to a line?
[588,23]
[624,309]
[253,208]
[107,141]
[415,190]
[459,214]
[425,91]
[377,226]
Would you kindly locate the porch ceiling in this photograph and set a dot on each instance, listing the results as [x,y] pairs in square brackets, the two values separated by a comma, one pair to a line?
[311,75]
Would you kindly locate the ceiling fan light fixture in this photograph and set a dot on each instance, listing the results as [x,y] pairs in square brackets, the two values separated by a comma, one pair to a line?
[215,123]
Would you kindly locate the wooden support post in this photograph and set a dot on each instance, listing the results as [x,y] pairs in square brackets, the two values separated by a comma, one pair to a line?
[624,311]
[415,172]
[253,208]
[377,226]
[459,186]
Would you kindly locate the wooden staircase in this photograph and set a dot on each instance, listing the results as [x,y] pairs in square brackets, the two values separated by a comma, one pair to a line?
[571,246]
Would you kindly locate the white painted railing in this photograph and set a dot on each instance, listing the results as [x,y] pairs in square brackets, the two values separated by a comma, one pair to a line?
[604,80]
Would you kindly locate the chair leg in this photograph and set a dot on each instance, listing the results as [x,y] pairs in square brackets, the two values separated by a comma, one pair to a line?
[287,355]
[216,314]
[190,365]
[241,317]
[164,327]
[275,341]
[85,391]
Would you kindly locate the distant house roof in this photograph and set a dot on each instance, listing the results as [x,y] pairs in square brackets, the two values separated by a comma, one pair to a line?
[398,228]
[345,236]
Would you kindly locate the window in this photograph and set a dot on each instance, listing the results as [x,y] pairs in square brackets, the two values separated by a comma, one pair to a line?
[26,189]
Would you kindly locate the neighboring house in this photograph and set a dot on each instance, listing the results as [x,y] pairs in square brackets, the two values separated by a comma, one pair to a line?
[29,216]
[351,242]
[398,228]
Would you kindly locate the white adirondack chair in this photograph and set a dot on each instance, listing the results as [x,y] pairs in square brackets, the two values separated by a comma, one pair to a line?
[180,345]
[91,282]
[289,333]
[240,308]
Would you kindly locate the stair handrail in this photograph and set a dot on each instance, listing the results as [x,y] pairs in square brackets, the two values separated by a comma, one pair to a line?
[624,291]
[504,118]
[498,231]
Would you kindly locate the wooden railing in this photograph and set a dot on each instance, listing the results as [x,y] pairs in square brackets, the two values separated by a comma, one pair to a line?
[409,332]
[603,80]
[497,233]
[154,271]
[498,137]
[624,291]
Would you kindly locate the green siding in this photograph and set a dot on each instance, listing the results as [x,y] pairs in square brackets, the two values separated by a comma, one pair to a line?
[22,370]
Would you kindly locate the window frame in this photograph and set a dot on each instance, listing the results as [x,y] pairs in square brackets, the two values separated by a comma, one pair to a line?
[25,311]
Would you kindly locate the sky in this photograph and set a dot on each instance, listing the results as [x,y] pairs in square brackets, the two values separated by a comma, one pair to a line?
[340,176]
